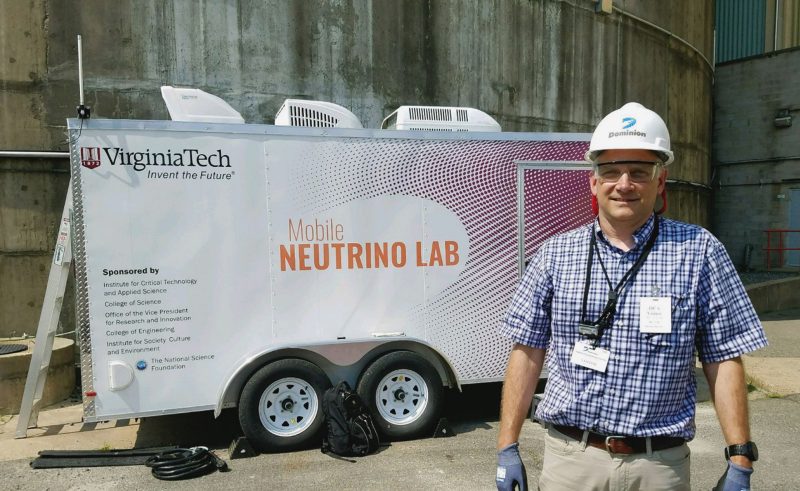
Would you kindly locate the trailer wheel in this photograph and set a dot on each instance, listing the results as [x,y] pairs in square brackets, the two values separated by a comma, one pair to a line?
[279,408]
[404,393]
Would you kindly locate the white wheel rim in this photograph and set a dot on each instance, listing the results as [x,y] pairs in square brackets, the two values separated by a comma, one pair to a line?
[401,397]
[288,407]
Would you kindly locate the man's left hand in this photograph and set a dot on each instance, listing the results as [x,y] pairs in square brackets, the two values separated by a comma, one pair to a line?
[735,478]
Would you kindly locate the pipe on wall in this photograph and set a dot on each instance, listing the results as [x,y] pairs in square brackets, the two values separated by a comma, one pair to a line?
[32,154]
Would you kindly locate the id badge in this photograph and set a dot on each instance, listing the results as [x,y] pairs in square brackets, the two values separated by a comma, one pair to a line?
[585,355]
[655,315]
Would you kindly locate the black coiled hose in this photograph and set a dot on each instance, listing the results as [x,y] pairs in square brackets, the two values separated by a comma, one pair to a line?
[184,463]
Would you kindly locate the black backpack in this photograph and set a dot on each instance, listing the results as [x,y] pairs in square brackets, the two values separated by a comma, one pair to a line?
[349,429]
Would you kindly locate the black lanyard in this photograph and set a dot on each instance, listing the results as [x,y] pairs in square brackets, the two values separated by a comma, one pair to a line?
[595,330]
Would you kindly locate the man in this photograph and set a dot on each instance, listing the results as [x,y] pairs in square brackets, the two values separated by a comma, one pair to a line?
[621,305]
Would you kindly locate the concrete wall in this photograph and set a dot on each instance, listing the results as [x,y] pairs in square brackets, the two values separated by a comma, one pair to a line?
[775,295]
[756,164]
[544,65]
[32,193]
[60,380]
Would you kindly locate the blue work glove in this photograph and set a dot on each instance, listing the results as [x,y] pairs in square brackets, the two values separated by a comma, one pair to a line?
[510,469]
[735,478]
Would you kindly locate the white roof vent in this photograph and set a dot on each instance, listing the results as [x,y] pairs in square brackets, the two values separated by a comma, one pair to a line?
[315,114]
[433,118]
[197,106]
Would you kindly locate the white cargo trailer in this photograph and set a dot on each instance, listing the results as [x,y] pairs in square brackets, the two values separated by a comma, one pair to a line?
[224,265]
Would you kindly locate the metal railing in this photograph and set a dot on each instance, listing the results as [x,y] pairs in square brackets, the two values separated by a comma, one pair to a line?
[781,246]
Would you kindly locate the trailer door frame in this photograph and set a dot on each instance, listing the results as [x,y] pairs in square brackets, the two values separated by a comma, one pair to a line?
[526,165]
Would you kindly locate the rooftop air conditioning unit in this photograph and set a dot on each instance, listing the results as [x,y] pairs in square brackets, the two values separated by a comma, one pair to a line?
[432,118]
[315,114]
[197,106]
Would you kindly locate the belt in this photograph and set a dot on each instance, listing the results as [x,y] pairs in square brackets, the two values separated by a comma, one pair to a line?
[621,444]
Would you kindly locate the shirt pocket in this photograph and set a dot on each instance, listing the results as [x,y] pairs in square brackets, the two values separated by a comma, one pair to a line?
[683,317]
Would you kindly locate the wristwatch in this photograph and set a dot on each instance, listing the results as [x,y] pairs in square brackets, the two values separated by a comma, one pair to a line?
[748,450]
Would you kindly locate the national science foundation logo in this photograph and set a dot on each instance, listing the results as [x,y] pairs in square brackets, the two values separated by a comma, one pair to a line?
[90,157]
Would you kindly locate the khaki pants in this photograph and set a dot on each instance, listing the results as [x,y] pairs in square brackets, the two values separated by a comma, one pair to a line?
[571,465]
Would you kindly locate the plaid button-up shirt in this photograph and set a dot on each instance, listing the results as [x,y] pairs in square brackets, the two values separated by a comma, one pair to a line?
[648,388]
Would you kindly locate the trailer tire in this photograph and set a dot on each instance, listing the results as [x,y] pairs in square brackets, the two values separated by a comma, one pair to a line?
[280,406]
[404,393]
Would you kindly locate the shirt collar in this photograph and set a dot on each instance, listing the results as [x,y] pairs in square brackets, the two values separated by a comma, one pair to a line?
[640,236]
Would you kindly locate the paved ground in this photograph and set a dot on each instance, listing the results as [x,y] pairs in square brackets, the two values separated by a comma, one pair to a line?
[776,368]
[465,461]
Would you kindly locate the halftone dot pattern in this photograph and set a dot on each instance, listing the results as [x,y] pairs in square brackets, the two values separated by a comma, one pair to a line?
[554,198]
[477,181]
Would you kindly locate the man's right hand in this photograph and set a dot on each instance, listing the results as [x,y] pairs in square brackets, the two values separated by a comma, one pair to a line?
[510,469]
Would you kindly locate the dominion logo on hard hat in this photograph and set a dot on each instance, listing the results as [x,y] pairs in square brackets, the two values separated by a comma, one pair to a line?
[627,122]
[612,134]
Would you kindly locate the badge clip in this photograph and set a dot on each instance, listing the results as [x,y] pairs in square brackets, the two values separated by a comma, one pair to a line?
[589,330]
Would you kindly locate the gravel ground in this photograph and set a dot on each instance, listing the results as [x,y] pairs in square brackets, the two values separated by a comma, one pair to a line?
[748,278]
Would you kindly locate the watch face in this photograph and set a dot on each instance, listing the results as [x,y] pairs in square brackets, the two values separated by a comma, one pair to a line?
[753,451]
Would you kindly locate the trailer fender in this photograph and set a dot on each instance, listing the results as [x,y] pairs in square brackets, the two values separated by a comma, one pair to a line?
[340,360]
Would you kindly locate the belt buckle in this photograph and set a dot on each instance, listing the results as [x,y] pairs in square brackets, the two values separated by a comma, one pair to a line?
[610,439]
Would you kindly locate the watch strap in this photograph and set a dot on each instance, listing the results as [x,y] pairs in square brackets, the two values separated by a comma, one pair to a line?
[747,449]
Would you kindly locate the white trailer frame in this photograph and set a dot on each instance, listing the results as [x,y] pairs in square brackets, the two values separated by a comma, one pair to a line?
[304,168]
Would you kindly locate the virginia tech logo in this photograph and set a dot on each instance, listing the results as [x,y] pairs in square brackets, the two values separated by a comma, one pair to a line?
[90,157]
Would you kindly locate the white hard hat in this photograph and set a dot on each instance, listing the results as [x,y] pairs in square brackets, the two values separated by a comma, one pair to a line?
[632,126]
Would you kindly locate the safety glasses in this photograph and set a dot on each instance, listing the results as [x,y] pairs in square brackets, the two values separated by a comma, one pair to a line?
[638,171]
